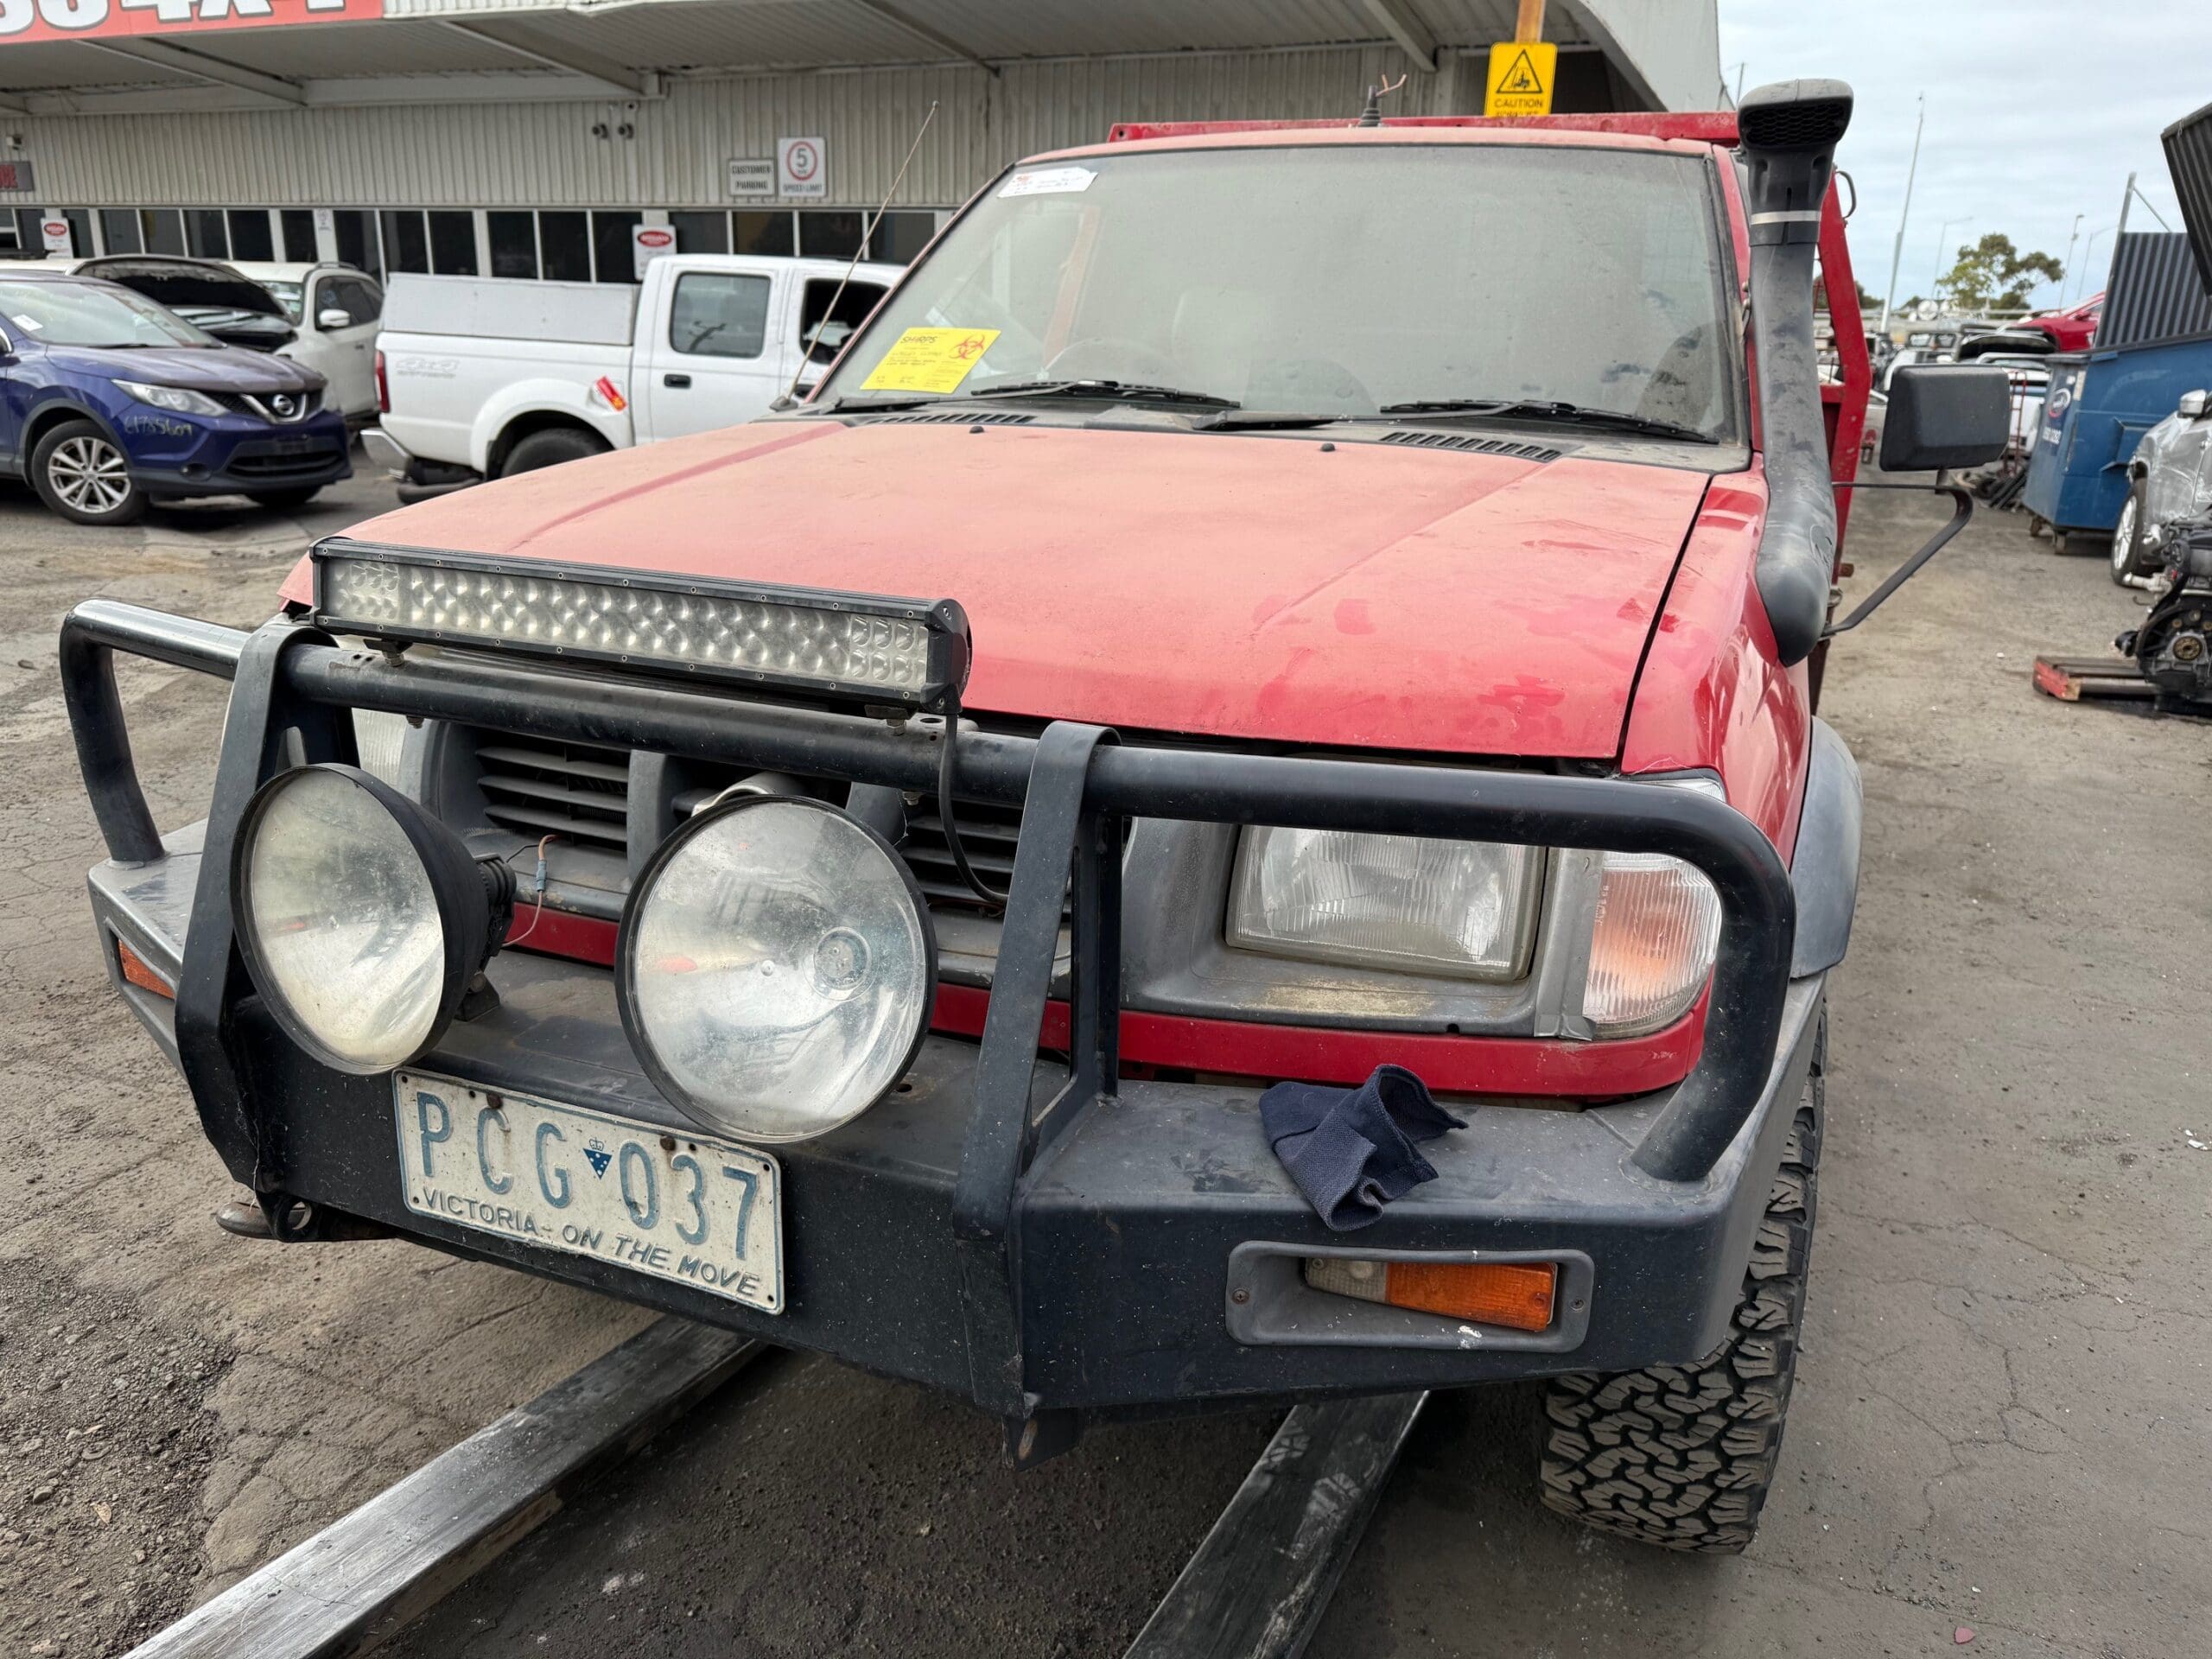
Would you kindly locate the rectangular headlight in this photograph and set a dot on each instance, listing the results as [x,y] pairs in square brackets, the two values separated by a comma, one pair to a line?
[882,650]
[1459,909]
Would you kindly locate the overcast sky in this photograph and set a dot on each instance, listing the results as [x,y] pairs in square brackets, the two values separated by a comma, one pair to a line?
[2038,110]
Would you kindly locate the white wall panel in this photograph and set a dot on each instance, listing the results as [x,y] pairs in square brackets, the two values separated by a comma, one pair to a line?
[527,153]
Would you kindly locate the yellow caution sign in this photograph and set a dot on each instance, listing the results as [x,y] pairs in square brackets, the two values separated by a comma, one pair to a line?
[1521,75]
[930,360]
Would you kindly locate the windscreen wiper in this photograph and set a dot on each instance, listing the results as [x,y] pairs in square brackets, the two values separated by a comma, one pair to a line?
[879,405]
[1548,409]
[1267,420]
[1108,390]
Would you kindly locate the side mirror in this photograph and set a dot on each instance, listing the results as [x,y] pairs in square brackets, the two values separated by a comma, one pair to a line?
[2193,404]
[1944,415]
[334,316]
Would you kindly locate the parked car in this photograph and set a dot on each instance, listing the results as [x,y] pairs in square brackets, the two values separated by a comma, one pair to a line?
[2169,478]
[1404,637]
[323,316]
[206,293]
[2074,329]
[484,379]
[111,398]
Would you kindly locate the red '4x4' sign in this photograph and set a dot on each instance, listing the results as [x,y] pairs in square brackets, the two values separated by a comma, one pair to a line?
[92,20]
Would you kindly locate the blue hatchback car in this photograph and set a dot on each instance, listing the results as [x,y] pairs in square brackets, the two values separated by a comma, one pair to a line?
[106,399]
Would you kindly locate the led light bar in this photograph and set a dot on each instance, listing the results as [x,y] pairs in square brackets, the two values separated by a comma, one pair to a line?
[911,651]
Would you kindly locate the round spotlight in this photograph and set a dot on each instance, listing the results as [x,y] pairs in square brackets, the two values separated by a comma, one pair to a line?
[776,968]
[362,918]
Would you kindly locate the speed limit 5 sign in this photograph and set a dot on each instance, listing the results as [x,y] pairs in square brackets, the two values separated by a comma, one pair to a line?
[802,167]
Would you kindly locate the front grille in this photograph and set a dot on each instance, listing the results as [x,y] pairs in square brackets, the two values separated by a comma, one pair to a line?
[987,834]
[279,460]
[581,795]
[304,404]
[537,788]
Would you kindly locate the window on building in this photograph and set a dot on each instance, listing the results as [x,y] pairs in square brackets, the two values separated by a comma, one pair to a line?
[81,230]
[900,236]
[299,235]
[406,240]
[718,314]
[162,229]
[205,237]
[564,247]
[120,231]
[700,232]
[827,318]
[514,244]
[610,241]
[251,236]
[22,229]
[830,235]
[453,244]
[356,231]
[763,233]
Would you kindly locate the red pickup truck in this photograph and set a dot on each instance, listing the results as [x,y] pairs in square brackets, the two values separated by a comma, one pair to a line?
[1255,603]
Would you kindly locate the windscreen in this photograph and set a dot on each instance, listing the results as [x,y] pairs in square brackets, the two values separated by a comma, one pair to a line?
[92,313]
[290,295]
[1336,280]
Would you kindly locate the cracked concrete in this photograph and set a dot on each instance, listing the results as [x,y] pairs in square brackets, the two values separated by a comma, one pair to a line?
[2001,1413]
[323,1376]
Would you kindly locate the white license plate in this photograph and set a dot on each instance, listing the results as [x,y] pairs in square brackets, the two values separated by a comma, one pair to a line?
[676,1207]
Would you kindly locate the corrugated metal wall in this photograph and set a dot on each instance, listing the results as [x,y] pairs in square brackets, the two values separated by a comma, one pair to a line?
[543,154]
[2189,158]
[2154,292]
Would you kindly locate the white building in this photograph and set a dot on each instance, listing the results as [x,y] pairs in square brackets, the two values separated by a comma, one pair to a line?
[527,137]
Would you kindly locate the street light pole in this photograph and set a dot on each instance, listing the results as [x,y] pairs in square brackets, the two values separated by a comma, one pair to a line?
[1896,254]
[2067,270]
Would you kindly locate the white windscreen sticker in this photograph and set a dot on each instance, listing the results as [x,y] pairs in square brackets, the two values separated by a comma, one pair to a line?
[1047,182]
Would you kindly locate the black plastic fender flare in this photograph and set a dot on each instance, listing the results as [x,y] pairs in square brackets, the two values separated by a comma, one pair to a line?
[1824,871]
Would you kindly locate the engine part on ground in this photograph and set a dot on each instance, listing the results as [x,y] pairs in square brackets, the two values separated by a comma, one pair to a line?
[2173,647]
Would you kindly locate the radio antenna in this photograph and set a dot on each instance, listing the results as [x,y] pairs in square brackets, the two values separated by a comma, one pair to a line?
[868,234]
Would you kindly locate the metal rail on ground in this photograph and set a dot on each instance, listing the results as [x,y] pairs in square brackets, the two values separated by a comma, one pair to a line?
[1259,1582]
[1256,1589]
[360,1581]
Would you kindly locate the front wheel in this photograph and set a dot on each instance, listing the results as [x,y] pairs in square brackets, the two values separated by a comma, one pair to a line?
[2131,554]
[79,473]
[1683,1456]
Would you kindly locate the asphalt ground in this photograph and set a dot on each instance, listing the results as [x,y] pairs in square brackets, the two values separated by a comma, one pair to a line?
[2000,1420]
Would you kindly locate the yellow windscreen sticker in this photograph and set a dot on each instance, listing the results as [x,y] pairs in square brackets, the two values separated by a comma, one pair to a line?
[930,360]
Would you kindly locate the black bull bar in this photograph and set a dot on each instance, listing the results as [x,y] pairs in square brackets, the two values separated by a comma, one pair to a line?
[293,689]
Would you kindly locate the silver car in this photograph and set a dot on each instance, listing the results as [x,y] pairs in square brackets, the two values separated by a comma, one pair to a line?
[2170,478]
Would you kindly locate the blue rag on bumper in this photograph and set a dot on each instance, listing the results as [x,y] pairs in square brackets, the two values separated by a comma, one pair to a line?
[1351,1150]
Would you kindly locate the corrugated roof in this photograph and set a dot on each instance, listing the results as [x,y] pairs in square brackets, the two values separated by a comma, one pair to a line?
[712,37]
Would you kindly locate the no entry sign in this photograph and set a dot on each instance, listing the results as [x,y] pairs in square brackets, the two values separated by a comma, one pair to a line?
[647,244]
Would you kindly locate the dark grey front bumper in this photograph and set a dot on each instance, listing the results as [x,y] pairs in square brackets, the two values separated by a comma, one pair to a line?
[1137,1228]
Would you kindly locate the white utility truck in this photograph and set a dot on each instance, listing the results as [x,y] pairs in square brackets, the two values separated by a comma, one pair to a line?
[480,377]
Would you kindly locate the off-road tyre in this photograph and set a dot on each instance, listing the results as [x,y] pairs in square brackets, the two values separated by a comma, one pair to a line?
[83,474]
[549,448]
[2131,550]
[1682,1456]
